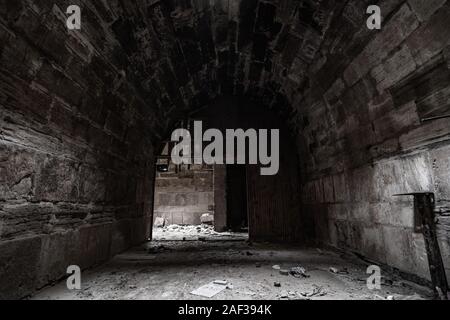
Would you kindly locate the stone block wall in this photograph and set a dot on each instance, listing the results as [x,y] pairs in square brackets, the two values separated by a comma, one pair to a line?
[75,169]
[184,193]
[362,138]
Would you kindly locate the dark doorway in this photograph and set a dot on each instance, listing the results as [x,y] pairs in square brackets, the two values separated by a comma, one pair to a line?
[237,217]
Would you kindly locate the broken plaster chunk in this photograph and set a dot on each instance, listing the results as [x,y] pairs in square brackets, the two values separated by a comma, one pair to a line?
[221,282]
[298,272]
[159,222]
[333,270]
[276,267]
[207,218]
[209,290]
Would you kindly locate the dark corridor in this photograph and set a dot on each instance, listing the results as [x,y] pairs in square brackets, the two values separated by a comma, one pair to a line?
[237,217]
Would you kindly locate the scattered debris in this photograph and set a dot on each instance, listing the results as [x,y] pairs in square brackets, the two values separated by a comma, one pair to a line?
[160,222]
[247,293]
[209,290]
[284,272]
[338,271]
[333,270]
[192,232]
[299,272]
[223,263]
[207,218]
[400,297]
[317,291]
[157,249]
[291,295]
[249,253]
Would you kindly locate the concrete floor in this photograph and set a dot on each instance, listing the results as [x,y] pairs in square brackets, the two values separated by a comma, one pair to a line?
[173,269]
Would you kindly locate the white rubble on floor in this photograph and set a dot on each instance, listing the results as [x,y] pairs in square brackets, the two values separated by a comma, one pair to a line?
[201,232]
[207,218]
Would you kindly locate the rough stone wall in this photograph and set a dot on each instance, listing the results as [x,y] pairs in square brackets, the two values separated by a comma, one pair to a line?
[184,193]
[361,136]
[76,166]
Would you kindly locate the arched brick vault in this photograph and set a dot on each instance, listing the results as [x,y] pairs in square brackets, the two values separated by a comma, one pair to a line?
[82,112]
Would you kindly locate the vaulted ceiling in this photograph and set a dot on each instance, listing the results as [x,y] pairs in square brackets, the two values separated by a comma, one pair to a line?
[180,54]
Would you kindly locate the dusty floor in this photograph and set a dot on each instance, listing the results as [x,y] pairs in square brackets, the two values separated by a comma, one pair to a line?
[173,269]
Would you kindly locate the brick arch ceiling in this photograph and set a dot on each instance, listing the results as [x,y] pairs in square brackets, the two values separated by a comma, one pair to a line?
[148,62]
[180,54]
